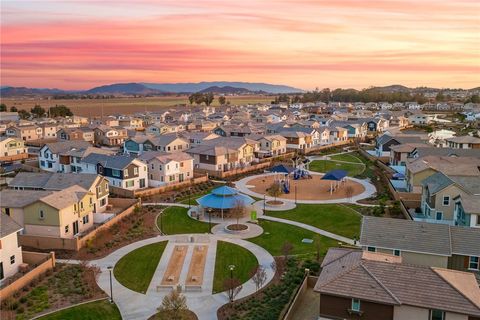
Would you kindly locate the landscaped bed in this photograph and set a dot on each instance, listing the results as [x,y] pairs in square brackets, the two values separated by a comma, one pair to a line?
[232,254]
[334,218]
[97,310]
[135,270]
[175,220]
[237,227]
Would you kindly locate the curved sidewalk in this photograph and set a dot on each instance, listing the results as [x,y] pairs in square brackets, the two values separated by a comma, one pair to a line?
[311,228]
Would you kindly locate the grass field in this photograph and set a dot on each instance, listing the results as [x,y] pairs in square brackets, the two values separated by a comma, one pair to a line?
[231,254]
[348,157]
[93,107]
[276,234]
[135,270]
[97,310]
[334,218]
[327,165]
[175,220]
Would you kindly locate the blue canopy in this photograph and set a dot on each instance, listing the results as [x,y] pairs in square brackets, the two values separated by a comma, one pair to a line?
[336,175]
[282,168]
[224,198]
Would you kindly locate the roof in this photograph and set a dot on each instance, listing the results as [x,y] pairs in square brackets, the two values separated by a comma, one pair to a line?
[109,161]
[465,241]
[65,198]
[436,182]
[8,225]
[282,168]
[336,175]
[211,150]
[350,273]
[456,166]
[164,157]
[65,146]
[20,198]
[464,139]
[52,181]
[224,198]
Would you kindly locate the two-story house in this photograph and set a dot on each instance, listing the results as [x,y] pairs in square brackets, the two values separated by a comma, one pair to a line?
[80,133]
[12,149]
[10,251]
[271,146]
[166,142]
[167,168]
[110,136]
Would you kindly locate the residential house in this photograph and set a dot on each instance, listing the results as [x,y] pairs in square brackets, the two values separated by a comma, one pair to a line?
[298,140]
[49,130]
[110,136]
[399,153]
[164,128]
[437,137]
[122,171]
[196,138]
[463,142]
[12,149]
[26,133]
[386,141]
[337,134]
[365,285]
[10,252]
[80,133]
[422,243]
[271,145]
[167,168]
[166,142]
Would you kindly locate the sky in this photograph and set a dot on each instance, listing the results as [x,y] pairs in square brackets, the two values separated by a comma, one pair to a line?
[302,43]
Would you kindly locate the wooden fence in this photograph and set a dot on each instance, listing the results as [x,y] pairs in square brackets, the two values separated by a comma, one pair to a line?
[42,262]
[308,282]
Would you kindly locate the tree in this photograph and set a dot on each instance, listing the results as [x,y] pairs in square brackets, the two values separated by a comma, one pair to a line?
[274,190]
[3,107]
[232,286]
[440,97]
[349,192]
[238,211]
[318,245]
[191,98]
[13,109]
[60,111]
[287,248]
[222,100]
[24,114]
[208,98]
[174,306]
[37,111]
[259,276]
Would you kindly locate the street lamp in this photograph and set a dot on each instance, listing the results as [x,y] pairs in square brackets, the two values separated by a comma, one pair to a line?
[161,222]
[110,268]
[295,192]
[189,191]
[264,202]
[231,268]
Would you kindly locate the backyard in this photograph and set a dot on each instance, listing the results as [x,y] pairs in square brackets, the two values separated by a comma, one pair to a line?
[135,270]
[98,310]
[334,218]
[175,220]
[232,254]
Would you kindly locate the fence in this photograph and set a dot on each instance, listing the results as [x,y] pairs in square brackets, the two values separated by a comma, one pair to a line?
[42,261]
[75,244]
[308,282]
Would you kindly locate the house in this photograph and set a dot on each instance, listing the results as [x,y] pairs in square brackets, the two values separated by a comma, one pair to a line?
[49,130]
[386,141]
[463,142]
[9,116]
[337,134]
[167,168]
[422,243]
[80,133]
[196,138]
[399,153]
[121,171]
[214,158]
[25,133]
[437,137]
[165,142]
[57,214]
[110,136]
[10,251]
[420,119]
[375,126]
[97,185]
[365,285]
[163,128]
[297,140]
[271,146]
[12,149]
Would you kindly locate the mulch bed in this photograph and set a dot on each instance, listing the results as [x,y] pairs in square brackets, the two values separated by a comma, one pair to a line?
[237,227]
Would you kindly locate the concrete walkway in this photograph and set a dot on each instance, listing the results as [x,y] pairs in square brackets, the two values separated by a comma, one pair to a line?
[311,228]
[134,305]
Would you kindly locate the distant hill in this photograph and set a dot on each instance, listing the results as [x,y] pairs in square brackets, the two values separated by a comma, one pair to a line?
[229,90]
[23,91]
[200,86]
[123,88]
[392,88]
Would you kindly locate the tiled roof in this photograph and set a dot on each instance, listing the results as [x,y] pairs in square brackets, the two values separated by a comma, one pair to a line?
[8,225]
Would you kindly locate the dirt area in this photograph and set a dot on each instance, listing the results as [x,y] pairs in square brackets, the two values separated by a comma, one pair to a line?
[307,306]
[175,265]
[237,227]
[197,266]
[307,189]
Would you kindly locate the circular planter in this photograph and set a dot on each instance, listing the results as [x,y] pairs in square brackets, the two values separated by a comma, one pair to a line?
[236,228]
[274,202]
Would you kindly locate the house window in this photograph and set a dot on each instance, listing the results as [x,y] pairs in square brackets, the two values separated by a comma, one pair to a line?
[42,214]
[12,259]
[446,201]
[103,202]
[473,263]
[85,219]
[115,173]
[372,249]
[74,207]
[161,178]
[42,163]
[439,215]
[91,200]
[66,228]
[106,186]
[437,315]
[81,205]
[152,166]
[135,170]
[181,164]
[125,173]
[356,305]
[129,183]
[396,252]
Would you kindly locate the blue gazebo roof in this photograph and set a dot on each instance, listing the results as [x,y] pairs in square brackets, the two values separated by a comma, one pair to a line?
[282,168]
[224,198]
[336,175]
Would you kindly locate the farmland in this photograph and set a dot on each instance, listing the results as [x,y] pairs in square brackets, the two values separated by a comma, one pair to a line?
[126,105]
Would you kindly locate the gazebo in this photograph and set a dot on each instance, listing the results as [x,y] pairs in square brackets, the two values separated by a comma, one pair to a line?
[224,198]
[335,176]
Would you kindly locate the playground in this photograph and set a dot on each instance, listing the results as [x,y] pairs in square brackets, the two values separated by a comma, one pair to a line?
[310,187]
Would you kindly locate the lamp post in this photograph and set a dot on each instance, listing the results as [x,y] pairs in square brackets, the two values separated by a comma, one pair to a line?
[231,268]
[189,191]
[264,202]
[161,222]
[295,192]
[210,220]
[110,268]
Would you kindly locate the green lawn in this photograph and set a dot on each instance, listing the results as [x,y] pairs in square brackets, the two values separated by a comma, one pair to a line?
[175,220]
[135,270]
[97,310]
[334,218]
[276,234]
[232,254]
[327,165]
[349,157]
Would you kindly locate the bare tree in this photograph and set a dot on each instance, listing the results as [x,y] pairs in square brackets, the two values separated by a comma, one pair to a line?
[286,249]
[259,276]
[232,286]
[174,306]
[274,190]
[349,192]
[238,211]
[318,246]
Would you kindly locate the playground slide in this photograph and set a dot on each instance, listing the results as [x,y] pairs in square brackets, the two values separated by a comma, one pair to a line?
[285,189]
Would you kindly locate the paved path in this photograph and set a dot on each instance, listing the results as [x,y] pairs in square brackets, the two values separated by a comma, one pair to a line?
[134,305]
[166,204]
[311,228]
[369,191]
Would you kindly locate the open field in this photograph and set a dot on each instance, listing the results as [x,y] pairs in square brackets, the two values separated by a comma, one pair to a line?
[352,169]
[127,105]
[135,270]
[94,310]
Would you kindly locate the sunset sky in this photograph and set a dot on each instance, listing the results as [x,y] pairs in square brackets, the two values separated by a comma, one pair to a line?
[302,43]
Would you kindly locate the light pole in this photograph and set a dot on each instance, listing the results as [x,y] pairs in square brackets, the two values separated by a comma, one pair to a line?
[295,192]
[110,268]
[264,202]
[231,268]
[189,191]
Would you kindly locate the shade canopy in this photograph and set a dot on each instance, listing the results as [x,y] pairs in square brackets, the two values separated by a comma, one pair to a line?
[336,175]
[224,198]
[282,169]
